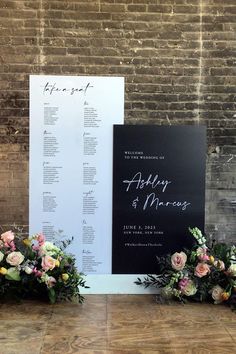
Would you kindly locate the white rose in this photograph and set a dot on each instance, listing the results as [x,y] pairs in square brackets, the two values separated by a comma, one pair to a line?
[15,258]
[219,264]
[232,270]
[216,294]
[1,256]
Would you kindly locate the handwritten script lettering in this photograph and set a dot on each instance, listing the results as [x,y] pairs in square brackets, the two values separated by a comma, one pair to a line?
[50,89]
[152,200]
[139,183]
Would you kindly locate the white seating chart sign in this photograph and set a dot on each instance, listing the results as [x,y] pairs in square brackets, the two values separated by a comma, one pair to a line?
[71,132]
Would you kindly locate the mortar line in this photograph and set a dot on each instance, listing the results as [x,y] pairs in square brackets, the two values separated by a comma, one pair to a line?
[41,59]
[199,85]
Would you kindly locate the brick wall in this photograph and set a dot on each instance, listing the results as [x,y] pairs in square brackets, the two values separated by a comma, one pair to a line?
[178,58]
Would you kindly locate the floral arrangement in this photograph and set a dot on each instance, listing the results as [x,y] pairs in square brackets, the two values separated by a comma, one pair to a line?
[34,267]
[204,273]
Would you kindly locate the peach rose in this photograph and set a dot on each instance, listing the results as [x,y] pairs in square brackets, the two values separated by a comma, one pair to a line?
[48,263]
[15,258]
[178,260]
[201,270]
[7,236]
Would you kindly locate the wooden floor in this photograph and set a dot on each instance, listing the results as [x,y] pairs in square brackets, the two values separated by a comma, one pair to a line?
[116,324]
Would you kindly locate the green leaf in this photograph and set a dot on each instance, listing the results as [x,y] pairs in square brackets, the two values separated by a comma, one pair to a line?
[220,250]
[13,274]
[52,295]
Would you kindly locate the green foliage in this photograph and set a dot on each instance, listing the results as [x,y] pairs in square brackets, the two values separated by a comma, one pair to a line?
[221,250]
[35,268]
[204,273]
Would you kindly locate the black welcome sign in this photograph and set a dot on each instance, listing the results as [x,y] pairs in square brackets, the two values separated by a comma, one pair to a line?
[158,192]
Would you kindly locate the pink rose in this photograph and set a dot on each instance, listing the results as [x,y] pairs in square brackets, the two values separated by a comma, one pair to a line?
[48,263]
[50,282]
[15,258]
[7,237]
[178,260]
[35,247]
[12,246]
[202,254]
[203,257]
[40,239]
[201,270]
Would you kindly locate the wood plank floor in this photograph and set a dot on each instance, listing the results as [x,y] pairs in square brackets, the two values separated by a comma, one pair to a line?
[115,324]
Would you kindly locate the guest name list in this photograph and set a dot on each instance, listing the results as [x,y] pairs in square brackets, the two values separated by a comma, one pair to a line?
[71,120]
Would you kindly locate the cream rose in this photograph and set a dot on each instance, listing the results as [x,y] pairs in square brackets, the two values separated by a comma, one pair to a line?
[219,264]
[216,294]
[48,263]
[178,260]
[232,270]
[50,282]
[7,237]
[201,270]
[1,256]
[15,258]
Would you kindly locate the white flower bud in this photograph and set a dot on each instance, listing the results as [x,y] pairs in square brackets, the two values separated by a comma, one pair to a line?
[28,270]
